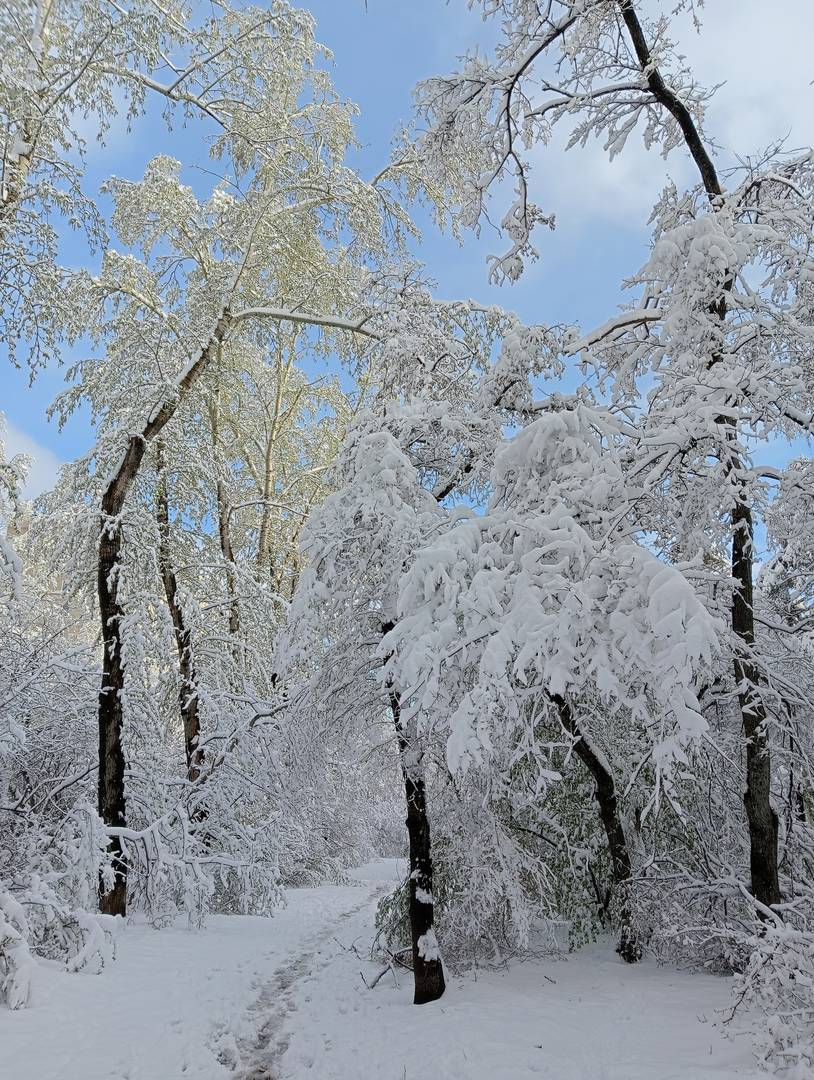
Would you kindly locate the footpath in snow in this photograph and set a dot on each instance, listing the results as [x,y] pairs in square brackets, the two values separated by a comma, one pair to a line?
[285,999]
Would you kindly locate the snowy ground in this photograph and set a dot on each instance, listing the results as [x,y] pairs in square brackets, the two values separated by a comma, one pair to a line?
[284,999]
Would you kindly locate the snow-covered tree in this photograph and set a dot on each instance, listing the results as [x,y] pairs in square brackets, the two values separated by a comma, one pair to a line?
[515,623]
[708,364]
[418,443]
[53,844]
[720,333]
[77,63]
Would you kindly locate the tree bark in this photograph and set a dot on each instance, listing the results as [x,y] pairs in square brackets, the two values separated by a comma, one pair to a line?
[224,532]
[16,174]
[761,816]
[628,945]
[263,544]
[277,420]
[267,488]
[428,970]
[111,803]
[112,808]
[187,682]
[225,537]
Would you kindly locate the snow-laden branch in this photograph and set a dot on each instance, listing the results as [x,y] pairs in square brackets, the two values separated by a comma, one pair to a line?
[304,318]
[614,326]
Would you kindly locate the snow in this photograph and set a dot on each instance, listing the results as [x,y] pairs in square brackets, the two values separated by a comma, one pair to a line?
[287,998]
[162,1009]
[428,946]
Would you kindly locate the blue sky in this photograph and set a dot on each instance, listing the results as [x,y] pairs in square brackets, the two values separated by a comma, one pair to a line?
[381,49]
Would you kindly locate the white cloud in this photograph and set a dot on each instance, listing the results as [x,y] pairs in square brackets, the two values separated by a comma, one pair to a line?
[44,467]
[583,186]
[763,53]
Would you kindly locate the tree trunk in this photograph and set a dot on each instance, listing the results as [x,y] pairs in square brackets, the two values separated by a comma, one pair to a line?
[14,178]
[263,542]
[224,533]
[226,551]
[15,170]
[628,946]
[428,970]
[111,803]
[277,420]
[111,755]
[760,814]
[187,682]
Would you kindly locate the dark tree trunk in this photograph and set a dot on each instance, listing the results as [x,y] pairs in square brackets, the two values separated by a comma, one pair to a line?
[111,804]
[760,814]
[428,970]
[427,967]
[187,682]
[628,946]
[111,755]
